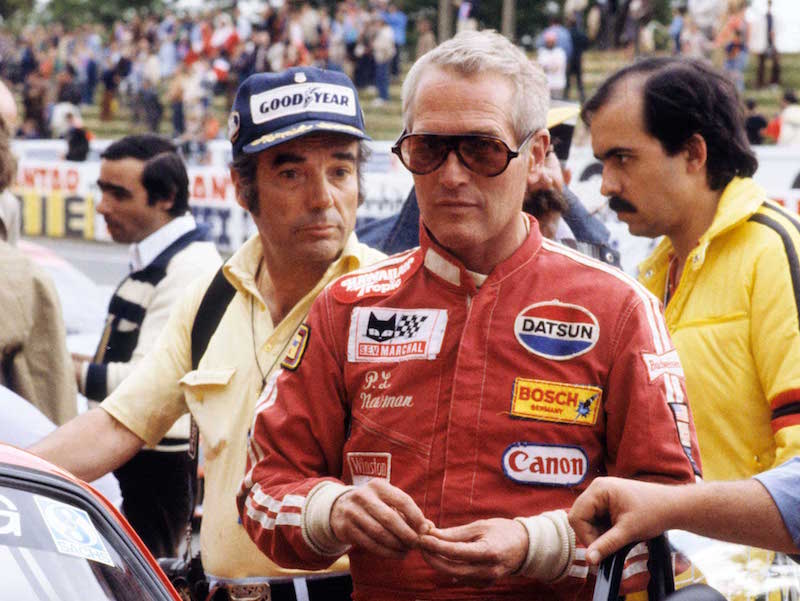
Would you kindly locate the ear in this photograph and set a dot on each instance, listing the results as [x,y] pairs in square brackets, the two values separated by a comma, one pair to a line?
[236,186]
[539,144]
[696,153]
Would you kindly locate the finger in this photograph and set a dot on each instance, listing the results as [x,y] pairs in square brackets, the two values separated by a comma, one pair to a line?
[605,545]
[464,572]
[366,532]
[457,551]
[404,505]
[463,533]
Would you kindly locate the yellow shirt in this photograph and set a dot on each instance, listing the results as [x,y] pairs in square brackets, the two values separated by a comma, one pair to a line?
[221,395]
[735,320]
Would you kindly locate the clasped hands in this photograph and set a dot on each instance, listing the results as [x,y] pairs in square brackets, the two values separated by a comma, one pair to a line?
[382,519]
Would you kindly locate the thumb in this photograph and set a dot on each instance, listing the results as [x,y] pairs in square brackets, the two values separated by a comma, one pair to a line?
[605,545]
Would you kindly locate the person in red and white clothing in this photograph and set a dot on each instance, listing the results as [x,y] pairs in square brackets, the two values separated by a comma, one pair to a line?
[438,411]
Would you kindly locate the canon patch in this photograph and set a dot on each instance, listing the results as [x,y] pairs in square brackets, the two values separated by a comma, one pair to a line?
[545,464]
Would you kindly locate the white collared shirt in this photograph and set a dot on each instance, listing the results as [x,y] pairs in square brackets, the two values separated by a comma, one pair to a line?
[141,254]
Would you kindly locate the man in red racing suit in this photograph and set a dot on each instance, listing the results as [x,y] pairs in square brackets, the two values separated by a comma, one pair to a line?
[499,401]
[434,422]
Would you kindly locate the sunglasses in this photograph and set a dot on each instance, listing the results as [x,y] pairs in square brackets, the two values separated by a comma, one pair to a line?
[485,155]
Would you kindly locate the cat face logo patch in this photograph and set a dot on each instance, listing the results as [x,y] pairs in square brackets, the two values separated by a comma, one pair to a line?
[556,330]
[387,335]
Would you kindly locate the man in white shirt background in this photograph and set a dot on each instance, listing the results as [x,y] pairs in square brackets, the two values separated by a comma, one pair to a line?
[145,194]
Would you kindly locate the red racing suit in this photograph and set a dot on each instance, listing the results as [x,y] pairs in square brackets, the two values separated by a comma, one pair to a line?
[499,401]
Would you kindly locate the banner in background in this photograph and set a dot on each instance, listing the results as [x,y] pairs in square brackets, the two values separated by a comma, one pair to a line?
[59,197]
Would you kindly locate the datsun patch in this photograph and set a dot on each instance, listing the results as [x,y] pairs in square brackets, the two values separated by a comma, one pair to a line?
[379,280]
[388,335]
[659,365]
[545,464]
[72,530]
[556,401]
[366,466]
[556,330]
[296,348]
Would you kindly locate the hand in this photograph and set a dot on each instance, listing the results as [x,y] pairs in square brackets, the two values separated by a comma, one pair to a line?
[77,363]
[379,518]
[479,552]
[637,510]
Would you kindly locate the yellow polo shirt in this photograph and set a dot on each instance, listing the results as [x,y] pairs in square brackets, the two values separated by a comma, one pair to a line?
[221,395]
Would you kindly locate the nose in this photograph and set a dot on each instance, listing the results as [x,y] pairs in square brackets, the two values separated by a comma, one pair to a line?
[452,173]
[103,206]
[320,192]
[610,184]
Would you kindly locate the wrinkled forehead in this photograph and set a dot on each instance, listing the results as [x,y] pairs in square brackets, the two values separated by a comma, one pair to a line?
[446,101]
[325,144]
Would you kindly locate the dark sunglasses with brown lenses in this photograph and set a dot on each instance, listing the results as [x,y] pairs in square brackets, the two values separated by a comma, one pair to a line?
[485,155]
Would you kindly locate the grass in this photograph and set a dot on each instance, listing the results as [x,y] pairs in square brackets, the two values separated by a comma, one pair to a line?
[384,122]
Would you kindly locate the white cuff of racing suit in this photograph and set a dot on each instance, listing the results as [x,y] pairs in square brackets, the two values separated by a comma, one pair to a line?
[316,519]
[551,546]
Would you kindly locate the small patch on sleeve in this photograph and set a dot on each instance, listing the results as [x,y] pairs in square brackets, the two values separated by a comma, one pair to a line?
[297,348]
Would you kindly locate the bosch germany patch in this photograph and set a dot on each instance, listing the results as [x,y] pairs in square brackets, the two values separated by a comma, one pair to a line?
[556,401]
[381,280]
[366,466]
[297,348]
[545,464]
[387,335]
[659,365]
[556,330]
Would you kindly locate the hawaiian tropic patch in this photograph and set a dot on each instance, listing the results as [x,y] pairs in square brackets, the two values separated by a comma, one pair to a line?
[556,401]
[382,280]
[296,348]
[366,466]
[545,464]
[388,335]
[556,330]
[72,531]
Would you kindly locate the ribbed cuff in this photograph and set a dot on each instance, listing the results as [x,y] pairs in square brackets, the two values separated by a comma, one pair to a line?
[316,519]
[551,546]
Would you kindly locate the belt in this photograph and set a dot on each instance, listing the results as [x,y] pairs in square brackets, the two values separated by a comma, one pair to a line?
[311,588]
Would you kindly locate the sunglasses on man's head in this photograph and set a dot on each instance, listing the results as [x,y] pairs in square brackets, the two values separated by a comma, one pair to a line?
[485,155]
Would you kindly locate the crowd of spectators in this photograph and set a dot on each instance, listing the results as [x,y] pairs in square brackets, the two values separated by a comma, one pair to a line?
[172,65]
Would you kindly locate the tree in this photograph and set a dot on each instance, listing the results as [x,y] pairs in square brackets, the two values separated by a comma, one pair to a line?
[74,12]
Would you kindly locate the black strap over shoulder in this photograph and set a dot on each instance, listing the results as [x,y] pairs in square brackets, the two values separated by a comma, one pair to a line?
[212,307]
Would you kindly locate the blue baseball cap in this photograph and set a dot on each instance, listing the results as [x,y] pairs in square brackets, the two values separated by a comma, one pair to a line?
[272,108]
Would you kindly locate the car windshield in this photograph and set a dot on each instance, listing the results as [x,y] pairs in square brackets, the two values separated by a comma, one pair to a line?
[52,548]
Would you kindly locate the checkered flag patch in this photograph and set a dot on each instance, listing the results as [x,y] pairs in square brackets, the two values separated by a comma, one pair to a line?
[409,325]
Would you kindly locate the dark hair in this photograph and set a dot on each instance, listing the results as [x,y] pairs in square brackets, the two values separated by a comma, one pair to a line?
[790,97]
[683,97]
[750,103]
[245,166]
[164,177]
[164,174]
[8,162]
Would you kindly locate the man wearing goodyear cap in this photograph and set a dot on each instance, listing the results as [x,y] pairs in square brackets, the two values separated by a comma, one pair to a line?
[297,156]
[484,376]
